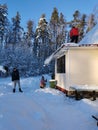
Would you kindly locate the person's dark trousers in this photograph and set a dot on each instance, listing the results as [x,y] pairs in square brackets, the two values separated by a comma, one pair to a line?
[74,39]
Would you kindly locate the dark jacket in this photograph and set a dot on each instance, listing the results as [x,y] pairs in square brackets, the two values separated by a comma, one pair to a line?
[15,75]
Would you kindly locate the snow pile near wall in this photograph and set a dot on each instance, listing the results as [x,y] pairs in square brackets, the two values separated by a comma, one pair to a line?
[85,87]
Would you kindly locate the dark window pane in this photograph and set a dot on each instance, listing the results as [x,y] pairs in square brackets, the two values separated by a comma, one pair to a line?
[61,64]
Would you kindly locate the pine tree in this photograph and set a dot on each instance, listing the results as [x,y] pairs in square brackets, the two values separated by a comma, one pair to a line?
[30,33]
[16,29]
[54,24]
[91,22]
[82,27]
[3,22]
[80,22]
[42,41]
[42,37]
[61,36]
[95,13]
[57,29]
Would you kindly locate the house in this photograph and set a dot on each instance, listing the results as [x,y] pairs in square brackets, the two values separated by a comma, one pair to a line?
[77,64]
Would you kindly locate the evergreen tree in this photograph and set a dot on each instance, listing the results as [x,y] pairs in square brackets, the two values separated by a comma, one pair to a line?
[3,22]
[95,13]
[91,22]
[21,57]
[42,37]
[76,16]
[16,29]
[9,35]
[79,21]
[30,33]
[57,29]
[82,26]
[61,36]
[54,24]
[42,42]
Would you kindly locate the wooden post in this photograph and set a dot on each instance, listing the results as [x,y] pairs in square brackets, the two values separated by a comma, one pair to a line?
[76,94]
[94,95]
[95,119]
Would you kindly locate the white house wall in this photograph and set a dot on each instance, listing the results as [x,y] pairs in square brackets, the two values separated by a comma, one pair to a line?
[61,80]
[83,66]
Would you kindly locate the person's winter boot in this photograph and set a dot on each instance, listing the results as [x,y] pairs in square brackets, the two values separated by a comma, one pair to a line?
[13,90]
[20,90]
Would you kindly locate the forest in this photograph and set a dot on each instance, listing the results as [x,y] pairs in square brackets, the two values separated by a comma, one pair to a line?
[28,48]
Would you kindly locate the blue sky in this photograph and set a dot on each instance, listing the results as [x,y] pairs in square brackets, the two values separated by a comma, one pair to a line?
[33,9]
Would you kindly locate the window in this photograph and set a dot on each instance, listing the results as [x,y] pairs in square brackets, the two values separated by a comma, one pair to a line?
[61,64]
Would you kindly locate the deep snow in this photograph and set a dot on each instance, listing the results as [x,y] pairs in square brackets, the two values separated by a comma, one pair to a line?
[43,109]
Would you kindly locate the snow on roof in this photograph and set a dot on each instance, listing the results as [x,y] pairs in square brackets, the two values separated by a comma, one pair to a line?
[47,61]
[64,47]
[91,37]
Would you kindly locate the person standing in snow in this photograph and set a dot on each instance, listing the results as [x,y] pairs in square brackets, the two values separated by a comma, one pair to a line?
[16,79]
[74,34]
[43,82]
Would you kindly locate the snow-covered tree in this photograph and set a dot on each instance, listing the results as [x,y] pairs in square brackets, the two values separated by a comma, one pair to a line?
[79,20]
[57,29]
[30,33]
[54,24]
[95,13]
[91,22]
[21,57]
[42,42]
[17,30]
[61,36]
[42,38]
[3,22]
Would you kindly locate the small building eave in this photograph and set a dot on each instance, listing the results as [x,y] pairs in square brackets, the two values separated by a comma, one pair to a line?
[61,50]
[65,47]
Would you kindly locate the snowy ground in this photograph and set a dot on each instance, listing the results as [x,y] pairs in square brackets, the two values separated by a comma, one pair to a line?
[43,109]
